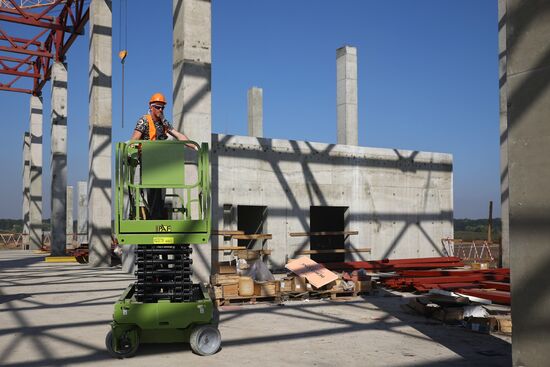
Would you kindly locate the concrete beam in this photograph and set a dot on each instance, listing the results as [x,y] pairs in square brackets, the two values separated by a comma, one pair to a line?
[82,205]
[100,130]
[58,166]
[346,95]
[528,94]
[26,184]
[69,216]
[255,112]
[191,83]
[35,191]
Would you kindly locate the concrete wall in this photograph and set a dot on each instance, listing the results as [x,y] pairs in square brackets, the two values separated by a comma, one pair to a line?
[401,202]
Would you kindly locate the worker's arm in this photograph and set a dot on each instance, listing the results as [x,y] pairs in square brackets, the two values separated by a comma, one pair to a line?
[176,134]
[180,136]
[136,135]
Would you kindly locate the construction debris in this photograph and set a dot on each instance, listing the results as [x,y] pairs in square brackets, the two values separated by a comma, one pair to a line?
[452,295]
[307,279]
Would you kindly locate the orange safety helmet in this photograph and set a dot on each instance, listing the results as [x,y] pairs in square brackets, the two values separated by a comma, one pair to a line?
[157,98]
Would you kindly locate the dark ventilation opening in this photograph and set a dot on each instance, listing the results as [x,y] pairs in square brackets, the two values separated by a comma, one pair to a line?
[251,220]
[327,219]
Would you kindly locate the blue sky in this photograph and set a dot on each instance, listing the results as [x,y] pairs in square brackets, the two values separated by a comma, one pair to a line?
[427,69]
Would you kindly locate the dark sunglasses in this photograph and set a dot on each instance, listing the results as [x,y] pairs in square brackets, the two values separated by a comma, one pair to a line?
[157,107]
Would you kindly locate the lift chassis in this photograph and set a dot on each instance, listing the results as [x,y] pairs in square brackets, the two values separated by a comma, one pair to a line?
[163,305]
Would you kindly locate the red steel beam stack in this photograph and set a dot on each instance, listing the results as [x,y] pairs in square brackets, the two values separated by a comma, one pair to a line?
[491,284]
[495,296]
[397,264]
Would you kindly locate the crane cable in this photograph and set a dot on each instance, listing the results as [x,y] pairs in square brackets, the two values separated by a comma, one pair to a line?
[123,51]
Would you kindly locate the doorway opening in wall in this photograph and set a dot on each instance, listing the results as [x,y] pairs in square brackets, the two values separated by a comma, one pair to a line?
[251,219]
[327,219]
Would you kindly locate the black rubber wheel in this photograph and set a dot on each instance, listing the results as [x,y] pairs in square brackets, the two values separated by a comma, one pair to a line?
[127,352]
[205,340]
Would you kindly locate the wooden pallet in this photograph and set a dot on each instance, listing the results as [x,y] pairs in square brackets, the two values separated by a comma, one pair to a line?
[333,295]
[247,300]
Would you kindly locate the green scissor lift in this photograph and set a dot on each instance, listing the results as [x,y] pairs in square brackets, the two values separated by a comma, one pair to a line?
[163,305]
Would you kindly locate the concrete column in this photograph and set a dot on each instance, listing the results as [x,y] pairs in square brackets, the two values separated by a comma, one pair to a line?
[255,112]
[58,166]
[35,188]
[505,241]
[82,205]
[191,78]
[69,216]
[528,92]
[26,183]
[346,95]
[100,126]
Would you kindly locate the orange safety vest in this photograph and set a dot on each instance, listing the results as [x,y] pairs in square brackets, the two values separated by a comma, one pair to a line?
[152,128]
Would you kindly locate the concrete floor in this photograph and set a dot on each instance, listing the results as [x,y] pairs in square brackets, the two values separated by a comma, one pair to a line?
[58,315]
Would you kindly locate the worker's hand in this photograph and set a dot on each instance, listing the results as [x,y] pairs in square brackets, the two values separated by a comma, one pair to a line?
[192,146]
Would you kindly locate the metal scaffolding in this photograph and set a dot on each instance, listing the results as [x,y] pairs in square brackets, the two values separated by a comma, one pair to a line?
[54,24]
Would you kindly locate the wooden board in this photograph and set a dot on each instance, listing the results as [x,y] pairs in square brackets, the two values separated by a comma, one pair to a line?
[333,251]
[337,233]
[220,279]
[228,248]
[261,236]
[224,232]
[247,300]
[251,254]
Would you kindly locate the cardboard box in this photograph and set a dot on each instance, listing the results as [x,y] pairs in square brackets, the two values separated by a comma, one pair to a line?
[299,285]
[225,267]
[449,314]
[230,290]
[501,324]
[267,289]
[285,285]
[479,324]
[316,274]
[423,306]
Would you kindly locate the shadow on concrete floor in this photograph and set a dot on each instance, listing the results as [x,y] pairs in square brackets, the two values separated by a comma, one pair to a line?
[475,348]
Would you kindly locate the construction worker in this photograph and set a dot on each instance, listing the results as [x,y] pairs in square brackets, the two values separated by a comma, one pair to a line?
[154,126]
